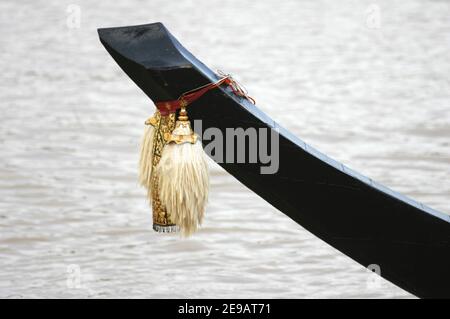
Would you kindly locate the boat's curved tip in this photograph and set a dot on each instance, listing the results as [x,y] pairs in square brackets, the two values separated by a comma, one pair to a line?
[150,45]
[151,57]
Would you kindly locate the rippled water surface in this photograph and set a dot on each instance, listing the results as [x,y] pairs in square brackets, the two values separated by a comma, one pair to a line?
[365,82]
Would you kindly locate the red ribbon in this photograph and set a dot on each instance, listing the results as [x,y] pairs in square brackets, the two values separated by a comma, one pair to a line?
[167,107]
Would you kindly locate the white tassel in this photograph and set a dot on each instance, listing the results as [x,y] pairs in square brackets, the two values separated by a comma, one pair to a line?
[146,158]
[183,177]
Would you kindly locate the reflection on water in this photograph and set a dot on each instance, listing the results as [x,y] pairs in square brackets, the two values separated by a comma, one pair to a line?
[365,83]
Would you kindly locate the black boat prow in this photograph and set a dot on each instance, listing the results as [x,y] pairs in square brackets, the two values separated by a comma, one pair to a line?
[363,219]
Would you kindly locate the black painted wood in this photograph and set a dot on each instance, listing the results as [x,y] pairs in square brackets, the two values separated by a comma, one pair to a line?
[363,219]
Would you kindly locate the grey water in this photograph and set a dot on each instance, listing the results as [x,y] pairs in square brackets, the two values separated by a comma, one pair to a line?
[365,82]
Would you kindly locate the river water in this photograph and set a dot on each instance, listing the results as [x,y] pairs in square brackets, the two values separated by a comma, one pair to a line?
[366,82]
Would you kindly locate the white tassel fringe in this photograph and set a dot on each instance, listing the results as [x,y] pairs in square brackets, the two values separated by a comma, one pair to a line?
[146,158]
[183,181]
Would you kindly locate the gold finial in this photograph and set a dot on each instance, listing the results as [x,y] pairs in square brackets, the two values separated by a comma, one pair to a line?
[182,133]
[183,115]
